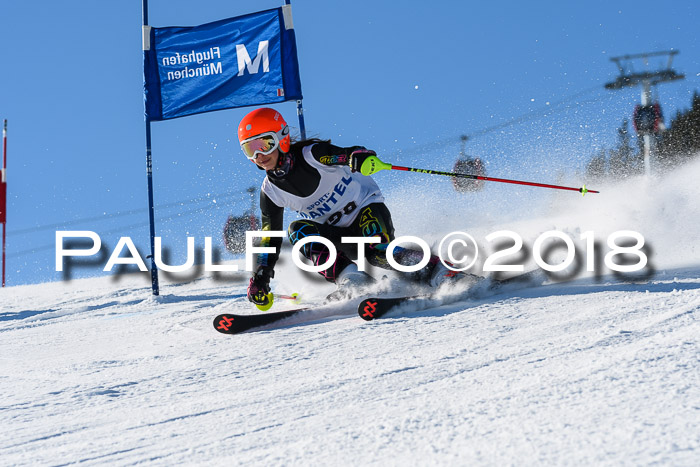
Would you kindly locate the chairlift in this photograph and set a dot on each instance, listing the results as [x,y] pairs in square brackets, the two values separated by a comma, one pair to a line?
[647,119]
[468,165]
[236,227]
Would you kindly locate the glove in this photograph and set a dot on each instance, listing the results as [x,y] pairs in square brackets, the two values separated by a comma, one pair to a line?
[358,157]
[259,287]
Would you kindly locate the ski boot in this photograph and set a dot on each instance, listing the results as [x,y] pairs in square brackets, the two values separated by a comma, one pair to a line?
[442,274]
[350,283]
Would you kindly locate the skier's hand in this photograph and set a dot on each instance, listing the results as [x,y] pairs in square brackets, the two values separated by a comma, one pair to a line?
[259,287]
[358,157]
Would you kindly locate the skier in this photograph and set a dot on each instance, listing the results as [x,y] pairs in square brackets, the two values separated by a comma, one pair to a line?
[322,183]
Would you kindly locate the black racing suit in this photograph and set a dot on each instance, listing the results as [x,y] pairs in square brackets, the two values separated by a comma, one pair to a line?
[301,179]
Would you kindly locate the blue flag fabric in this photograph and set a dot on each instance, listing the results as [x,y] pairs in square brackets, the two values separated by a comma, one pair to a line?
[237,62]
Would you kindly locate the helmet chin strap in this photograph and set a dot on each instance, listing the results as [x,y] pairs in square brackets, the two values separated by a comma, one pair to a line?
[284,165]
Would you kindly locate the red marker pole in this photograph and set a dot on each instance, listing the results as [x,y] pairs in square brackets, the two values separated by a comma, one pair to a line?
[3,196]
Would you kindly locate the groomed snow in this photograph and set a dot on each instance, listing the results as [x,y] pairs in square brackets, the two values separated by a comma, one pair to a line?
[598,370]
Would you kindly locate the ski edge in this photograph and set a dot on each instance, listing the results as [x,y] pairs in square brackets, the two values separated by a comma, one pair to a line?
[370,309]
[231,323]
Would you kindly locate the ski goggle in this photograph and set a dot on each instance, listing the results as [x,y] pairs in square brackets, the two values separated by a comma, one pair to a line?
[263,143]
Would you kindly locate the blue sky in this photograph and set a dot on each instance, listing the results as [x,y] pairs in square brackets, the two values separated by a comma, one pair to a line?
[403,78]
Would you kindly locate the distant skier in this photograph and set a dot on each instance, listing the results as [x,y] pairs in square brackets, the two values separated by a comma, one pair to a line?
[323,184]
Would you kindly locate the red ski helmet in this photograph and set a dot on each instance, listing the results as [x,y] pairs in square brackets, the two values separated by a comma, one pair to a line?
[261,121]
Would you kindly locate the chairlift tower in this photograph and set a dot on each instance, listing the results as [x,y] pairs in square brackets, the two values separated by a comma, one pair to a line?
[646,79]
[463,150]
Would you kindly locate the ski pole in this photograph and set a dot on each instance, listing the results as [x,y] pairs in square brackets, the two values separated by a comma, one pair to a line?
[271,298]
[373,165]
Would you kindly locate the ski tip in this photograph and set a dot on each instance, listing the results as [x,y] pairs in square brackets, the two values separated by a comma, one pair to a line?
[367,309]
[373,307]
[224,324]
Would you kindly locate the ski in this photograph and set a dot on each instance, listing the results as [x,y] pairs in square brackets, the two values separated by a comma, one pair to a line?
[526,278]
[228,323]
[376,307]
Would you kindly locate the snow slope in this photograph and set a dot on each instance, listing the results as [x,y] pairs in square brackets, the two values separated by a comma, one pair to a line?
[598,370]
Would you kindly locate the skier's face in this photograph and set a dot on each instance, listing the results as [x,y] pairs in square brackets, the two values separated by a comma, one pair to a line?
[267,161]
